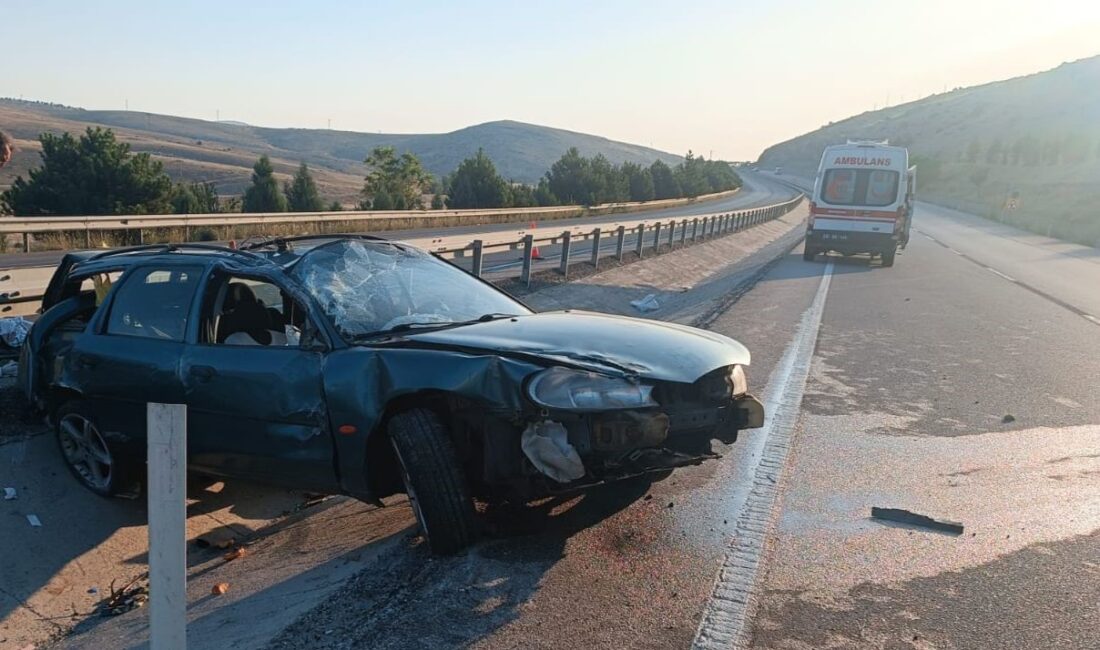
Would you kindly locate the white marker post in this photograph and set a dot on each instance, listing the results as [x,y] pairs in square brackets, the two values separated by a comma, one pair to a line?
[167,444]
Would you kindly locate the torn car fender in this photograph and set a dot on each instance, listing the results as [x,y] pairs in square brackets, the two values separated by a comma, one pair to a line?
[361,381]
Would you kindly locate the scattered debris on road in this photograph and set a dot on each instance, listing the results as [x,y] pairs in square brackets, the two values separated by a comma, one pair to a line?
[9,493]
[235,554]
[34,521]
[649,303]
[130,596]
[906,517]
[220,589]
[1008,419]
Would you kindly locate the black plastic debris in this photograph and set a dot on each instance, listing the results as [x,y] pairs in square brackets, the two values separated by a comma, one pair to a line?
[913,519]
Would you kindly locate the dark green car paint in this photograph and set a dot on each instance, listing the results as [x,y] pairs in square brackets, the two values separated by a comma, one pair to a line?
[274,414]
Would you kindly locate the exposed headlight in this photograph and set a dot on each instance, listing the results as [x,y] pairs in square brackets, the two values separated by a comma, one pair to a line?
[577,390]
[738,381]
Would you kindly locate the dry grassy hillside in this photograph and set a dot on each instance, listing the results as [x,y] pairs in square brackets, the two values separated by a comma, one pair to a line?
[224,152]
[1035,137]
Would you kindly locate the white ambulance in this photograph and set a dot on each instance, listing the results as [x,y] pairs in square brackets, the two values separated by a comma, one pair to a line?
[862,201]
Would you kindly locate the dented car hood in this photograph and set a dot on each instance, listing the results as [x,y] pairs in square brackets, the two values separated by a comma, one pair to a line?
[600,342]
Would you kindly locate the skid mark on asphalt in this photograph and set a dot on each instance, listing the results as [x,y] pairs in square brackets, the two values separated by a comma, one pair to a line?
[733,599]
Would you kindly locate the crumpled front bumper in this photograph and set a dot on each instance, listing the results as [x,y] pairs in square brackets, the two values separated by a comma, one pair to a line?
[750,412]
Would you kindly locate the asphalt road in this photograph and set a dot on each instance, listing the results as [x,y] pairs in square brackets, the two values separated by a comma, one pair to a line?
[948,387]
[939,386]
[959,384]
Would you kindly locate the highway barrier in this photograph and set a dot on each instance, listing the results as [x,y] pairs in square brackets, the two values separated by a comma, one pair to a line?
[648,237]
[81,229]
[21,288]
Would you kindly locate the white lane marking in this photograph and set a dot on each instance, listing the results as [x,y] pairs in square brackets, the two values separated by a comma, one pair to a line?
[733,601]
[998,273]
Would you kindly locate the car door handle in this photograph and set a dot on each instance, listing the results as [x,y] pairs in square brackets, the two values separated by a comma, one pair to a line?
[203,373]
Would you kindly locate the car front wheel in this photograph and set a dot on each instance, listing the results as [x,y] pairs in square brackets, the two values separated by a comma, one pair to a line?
[86,452]
[434,481]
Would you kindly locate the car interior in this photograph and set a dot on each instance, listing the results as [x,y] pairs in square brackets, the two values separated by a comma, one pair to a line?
[244,311]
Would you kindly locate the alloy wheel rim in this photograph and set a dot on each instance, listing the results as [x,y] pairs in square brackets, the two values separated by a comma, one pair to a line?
[86,451]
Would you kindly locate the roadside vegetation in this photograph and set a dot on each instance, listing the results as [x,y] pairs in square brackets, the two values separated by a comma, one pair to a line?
[96,174]
[1046,184]
[577,180]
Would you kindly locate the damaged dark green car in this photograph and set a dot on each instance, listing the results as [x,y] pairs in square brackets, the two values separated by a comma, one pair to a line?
[359,366]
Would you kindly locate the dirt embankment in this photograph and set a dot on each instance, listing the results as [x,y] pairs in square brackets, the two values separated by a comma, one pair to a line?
[1025,151]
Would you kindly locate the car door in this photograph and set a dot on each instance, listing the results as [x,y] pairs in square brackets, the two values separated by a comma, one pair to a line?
[257,410]
[129,355]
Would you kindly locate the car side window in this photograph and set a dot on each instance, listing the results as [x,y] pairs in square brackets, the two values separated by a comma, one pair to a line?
[252,312]
[154,302]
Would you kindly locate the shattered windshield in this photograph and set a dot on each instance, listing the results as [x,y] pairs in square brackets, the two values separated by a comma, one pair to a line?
[368,289]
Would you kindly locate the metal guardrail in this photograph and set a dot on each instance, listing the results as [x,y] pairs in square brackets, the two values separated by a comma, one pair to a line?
[21,288]
[28,226]
[648,236]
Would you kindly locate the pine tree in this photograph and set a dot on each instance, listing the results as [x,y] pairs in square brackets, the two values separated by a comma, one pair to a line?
[301,192]
[476,184]
[263,195]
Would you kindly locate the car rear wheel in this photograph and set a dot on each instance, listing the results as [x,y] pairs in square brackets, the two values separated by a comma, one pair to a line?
[888,257]
[86,452]
[434,481]
[809,253]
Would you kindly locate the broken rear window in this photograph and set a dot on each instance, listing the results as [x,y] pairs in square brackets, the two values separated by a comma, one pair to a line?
[367,289]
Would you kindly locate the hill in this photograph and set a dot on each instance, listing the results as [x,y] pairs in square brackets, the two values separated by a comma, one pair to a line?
[223,152]
[1035,137]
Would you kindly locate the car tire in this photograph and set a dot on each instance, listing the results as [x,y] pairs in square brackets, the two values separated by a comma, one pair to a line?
[809,253]
[91,459]
[434,481]
[888,258]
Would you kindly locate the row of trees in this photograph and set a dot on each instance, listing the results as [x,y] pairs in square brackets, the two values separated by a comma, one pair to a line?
[575,179]
[97,175]
[297,195]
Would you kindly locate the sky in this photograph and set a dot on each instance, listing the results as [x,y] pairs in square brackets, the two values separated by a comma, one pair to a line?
[725,79]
